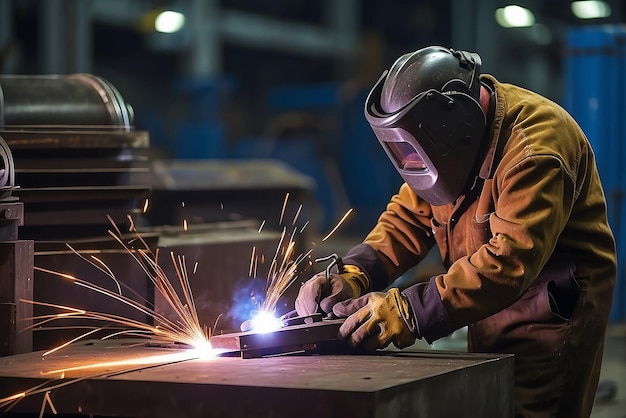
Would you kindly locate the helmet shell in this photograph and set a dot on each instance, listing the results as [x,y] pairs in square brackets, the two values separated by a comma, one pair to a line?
[426,69]
[426,114]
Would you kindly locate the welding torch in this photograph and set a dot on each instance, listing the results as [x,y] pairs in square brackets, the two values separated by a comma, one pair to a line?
[292,318]
[337,261]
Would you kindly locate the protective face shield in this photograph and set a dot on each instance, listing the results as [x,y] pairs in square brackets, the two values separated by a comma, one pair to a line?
[426,115]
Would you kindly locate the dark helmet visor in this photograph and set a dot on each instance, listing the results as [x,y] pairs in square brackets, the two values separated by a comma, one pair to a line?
[406,156]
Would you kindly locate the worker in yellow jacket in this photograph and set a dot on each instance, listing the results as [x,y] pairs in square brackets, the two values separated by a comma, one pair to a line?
[505,183]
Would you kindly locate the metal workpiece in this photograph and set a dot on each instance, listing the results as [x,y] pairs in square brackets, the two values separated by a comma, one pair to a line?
[316,337]
[384,384]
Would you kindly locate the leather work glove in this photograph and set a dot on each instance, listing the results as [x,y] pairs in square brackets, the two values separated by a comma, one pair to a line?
[377,319]
[320,291]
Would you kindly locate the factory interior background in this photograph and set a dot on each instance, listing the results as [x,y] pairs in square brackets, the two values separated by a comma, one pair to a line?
[247,113]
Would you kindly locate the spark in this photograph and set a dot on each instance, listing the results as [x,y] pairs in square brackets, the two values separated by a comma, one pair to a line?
[113,368]
[256,265]
[295,218]
[252,258]
[262,225]
[100,265]
[47,401]
[173,357]
[283,270]
[186,329]
[282,212]
[13,397]
[131,224]
[69,342]
[195,267]
[145,206]
[185,225]
[282,273]
[338,225]
[279,282]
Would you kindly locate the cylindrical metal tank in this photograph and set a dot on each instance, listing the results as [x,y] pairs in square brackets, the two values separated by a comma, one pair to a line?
[67,100]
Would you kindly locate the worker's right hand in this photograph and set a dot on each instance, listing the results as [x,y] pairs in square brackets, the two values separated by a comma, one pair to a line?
[321,293]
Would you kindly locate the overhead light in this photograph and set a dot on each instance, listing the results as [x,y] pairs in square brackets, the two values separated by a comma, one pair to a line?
[514,17]
[169,21]
[591,9]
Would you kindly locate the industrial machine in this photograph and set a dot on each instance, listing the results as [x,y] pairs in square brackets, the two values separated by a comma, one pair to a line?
[16,264]
[73,149]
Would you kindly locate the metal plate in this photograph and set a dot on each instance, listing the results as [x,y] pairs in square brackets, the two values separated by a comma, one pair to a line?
[303,337]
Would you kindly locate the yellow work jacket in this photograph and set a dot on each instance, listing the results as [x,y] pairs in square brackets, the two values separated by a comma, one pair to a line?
[539,191]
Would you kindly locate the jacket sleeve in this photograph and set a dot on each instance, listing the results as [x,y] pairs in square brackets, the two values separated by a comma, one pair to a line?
[401,238]
[534,198]
[533,205]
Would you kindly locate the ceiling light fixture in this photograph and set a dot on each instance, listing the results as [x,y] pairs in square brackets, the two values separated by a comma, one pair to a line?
[514,17]
[169,22]
[591,9]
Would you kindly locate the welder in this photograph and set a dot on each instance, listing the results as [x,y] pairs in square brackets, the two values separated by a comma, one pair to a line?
[504,182]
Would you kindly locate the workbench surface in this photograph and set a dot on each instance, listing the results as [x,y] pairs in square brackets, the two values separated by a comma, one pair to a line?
[134,379]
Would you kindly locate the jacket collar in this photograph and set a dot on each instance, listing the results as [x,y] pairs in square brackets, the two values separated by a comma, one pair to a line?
[496,143]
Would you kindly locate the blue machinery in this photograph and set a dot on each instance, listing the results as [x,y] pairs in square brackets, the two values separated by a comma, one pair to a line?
[595,94]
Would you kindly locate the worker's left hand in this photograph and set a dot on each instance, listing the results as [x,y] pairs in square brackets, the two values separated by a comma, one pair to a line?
[377,319]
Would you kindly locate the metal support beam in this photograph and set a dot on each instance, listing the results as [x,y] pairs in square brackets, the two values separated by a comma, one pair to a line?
[6,32]
[473,28]
[53,51]
[259,31]
[486,27]
[211,26]
[80,44]
[206,41]
[463,30]
[342,18]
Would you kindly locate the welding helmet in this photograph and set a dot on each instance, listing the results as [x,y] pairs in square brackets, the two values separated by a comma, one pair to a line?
[426,114]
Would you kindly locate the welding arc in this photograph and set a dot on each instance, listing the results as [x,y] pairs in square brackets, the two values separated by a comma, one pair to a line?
[186,329]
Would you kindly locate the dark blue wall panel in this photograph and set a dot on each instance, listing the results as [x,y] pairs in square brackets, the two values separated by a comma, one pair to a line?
[595,94]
